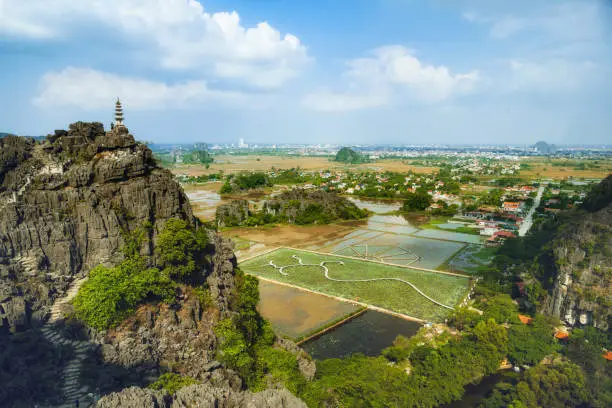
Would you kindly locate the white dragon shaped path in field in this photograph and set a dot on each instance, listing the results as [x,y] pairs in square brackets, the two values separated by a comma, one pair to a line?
[322,265]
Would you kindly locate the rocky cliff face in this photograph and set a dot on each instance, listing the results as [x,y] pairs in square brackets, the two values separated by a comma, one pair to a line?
[65,207]
[581,253]
[68,204]
[201,396]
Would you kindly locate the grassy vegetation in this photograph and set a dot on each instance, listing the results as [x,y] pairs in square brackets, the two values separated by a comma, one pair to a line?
[391,295]
[172,382]
[112,294]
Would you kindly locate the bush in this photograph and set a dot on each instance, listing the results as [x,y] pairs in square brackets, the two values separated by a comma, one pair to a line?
[172,382]
[179,249]
[529,344]
[112,294]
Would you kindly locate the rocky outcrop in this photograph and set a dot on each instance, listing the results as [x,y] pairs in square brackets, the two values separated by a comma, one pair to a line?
[233,213]
[306,364]
[582,264]
[66,205]
[159,336]
[200,396]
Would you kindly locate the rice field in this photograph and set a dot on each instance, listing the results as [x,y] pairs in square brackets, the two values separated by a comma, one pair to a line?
[391,295]
[295,313]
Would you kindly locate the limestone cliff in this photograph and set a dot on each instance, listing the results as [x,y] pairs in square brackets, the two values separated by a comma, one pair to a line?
[68,204]
[580,261]
[201,396]
[65,207]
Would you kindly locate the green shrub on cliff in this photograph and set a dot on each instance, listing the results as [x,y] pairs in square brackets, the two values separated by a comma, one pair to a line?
[179,248]
[172,382]
[112,294]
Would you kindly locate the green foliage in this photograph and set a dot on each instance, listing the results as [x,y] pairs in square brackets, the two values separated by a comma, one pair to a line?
[172,382]
[180,248]
[274,365]
[529,344]
[203,295]
[348,155]
[585,349]
[234,349]
[246,343]
[226,188]
[561,384]
[462,318]
[501,308]
[417,201]
[600,196]
[492,197]
[112,294]
[244,182]
[437,376]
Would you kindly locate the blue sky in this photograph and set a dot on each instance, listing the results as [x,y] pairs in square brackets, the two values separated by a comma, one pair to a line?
[335,71]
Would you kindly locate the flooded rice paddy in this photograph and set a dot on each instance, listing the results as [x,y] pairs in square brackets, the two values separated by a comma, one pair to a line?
[377,206]
[295,313]
[450,236]
[368,333]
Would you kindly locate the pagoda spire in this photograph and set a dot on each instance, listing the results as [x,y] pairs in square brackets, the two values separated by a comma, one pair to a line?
[118,114]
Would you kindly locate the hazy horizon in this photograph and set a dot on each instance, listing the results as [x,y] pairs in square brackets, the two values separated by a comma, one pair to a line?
[342,72]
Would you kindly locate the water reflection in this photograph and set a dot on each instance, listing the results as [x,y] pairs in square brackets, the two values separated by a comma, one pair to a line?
[369,334]
[376,206]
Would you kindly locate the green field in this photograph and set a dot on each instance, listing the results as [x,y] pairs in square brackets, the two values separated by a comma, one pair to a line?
[392,295]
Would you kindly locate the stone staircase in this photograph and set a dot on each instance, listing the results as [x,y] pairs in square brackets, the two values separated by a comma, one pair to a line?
[71,388]
[29,263]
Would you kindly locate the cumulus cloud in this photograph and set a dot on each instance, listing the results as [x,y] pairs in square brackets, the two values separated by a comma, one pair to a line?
[91,89]
[179,34]
[392,71]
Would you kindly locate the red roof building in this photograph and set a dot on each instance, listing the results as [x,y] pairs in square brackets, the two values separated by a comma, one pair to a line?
[503,234]
[608,355]
[525,319]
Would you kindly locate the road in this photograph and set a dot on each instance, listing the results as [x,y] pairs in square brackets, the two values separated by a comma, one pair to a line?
[528,222]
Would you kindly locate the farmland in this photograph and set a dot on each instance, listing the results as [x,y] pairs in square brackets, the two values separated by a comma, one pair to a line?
[235,164]
[391,295]
[295,313]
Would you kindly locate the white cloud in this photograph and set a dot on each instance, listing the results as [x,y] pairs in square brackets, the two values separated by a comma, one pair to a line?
[392,71]
[179,34]
[91,89]
[550,74]
[582,20]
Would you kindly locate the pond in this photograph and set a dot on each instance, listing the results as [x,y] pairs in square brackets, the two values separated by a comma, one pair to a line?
[376,206]
[368,333]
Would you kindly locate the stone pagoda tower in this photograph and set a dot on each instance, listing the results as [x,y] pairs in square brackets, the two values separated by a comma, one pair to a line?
[118,114]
